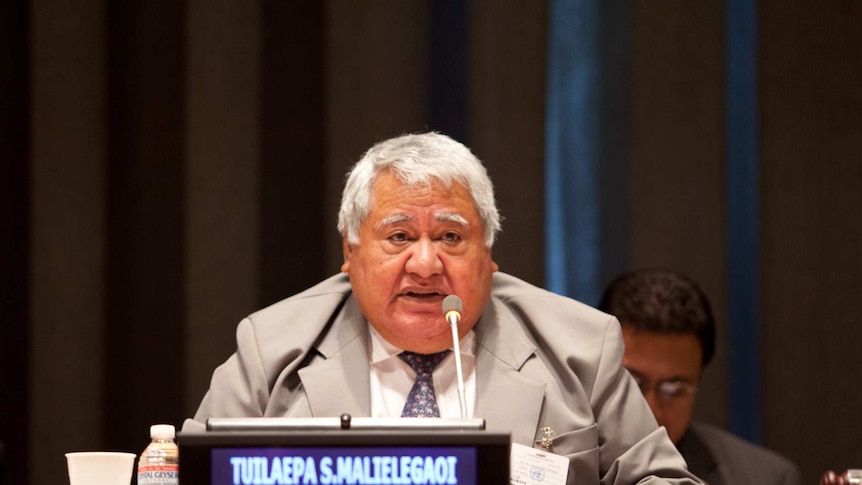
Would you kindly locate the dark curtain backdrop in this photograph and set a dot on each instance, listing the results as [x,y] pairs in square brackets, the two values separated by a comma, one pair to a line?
[811,137]
[168,167]
[14,242]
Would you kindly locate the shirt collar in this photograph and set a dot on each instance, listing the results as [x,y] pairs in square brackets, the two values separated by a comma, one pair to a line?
[382,350]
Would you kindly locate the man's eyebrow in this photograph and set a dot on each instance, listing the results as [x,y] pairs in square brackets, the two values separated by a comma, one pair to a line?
[678,378]
[393,219]
[450,217]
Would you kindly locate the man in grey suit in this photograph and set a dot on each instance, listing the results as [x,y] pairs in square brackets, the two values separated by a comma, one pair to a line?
[418,220]
[669,334]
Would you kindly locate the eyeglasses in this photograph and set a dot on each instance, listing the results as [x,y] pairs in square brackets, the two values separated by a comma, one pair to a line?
[667,390]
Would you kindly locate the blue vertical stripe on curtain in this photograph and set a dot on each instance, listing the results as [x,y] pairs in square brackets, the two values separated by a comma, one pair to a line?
[585,146]
[742,171]
[572,148]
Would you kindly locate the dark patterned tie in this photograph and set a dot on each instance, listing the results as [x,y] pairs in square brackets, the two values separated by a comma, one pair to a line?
[421,401]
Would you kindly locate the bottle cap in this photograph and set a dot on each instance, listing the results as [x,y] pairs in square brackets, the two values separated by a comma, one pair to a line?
[162,431]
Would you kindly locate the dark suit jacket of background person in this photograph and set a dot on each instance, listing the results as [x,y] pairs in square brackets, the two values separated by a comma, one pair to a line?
[721,458]
[541,360]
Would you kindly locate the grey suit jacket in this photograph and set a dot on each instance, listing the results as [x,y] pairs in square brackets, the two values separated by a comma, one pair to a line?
[541,360]
[721,458]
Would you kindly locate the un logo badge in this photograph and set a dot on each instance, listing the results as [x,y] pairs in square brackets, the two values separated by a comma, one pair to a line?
[537,474]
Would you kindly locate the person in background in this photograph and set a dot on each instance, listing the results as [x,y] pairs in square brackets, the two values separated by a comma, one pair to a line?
[669,334]
[417,221]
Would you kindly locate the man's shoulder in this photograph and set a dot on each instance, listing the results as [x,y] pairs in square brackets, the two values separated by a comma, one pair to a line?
[734,452]
[515,292]
[713,435]
[561,326]
[321,298]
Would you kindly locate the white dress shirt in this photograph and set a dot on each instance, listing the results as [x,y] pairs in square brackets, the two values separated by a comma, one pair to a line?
[392,379]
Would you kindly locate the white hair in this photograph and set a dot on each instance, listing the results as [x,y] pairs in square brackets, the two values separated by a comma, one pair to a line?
[417,159]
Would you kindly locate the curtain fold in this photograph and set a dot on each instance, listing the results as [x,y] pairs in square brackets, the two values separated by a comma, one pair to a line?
[585,145]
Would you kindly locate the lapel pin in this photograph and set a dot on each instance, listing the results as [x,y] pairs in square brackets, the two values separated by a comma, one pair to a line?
[547,441]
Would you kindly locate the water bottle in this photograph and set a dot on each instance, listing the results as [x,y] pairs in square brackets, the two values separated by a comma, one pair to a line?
[160,462]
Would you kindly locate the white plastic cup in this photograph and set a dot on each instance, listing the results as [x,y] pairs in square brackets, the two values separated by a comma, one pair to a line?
[100,467]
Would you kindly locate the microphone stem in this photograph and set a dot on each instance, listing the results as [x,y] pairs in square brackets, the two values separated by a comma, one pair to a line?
[456,347]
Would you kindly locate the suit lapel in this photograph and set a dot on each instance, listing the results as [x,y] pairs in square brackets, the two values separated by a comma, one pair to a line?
[699,458]
[339,383]
[506,399]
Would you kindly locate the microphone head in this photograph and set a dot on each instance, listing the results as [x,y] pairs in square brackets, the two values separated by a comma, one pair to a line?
[452,304]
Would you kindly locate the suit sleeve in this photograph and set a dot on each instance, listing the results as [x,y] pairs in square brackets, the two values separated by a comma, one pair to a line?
[238,387]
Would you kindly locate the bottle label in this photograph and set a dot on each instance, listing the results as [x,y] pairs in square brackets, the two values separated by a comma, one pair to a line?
[159,475]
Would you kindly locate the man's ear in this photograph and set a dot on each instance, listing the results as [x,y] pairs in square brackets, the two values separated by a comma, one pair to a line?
[346,250]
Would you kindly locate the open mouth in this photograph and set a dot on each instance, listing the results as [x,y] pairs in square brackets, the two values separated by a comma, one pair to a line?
[420,295]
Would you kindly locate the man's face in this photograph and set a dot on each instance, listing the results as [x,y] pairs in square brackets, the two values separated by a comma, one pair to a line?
[654,358]
[418,245]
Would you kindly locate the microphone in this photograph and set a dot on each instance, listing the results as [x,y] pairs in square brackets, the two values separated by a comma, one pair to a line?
[452,308]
